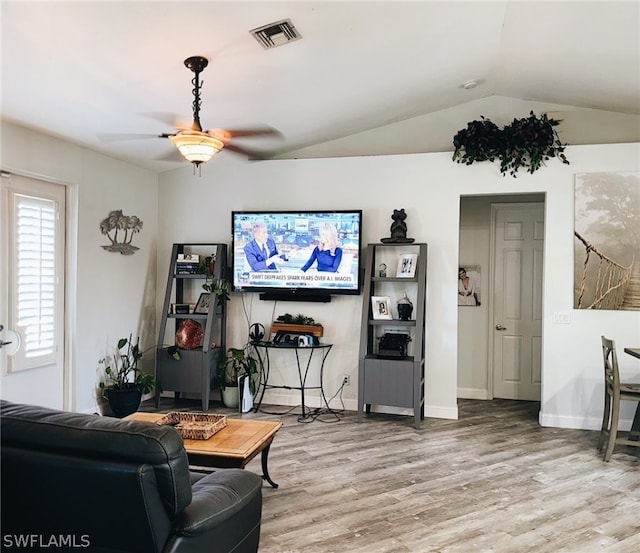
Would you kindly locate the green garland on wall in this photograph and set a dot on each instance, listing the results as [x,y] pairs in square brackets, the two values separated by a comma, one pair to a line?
[525,143]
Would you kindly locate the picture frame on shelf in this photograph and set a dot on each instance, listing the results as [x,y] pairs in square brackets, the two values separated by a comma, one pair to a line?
[407,263]
[204,301]
[381,308]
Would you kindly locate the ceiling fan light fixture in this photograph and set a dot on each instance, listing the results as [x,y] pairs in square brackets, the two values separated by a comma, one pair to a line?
[196,147]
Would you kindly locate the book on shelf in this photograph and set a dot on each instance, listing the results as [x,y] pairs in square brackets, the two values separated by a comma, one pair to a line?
[186,268]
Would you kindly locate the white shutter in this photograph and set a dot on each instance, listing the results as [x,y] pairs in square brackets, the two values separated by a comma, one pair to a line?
[34,280]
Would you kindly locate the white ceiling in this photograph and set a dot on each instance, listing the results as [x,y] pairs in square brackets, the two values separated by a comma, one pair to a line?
[366,78]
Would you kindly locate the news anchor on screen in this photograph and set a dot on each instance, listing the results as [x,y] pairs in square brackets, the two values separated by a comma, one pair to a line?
[262,253]
[327,253]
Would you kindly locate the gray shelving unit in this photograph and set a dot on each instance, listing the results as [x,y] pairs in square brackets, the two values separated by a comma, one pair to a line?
[195,371]
[383,380]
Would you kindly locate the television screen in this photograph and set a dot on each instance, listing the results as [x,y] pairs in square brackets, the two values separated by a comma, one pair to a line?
[297,251]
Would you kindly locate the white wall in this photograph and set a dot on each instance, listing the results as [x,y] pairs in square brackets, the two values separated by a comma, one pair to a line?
[113,295]
[429,187]
[108,295]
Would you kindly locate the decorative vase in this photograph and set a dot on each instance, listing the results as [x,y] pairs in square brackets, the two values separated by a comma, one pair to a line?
[189,334]
[230,397]
[123,401]
[405,308]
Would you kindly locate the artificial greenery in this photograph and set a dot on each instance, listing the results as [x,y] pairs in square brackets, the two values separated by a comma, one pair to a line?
[219,287]
[525,143]
[121,370]
[298,319]
[237,363]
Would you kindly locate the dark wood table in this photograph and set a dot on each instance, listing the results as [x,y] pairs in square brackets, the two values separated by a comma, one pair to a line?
[633,351]
[635,425]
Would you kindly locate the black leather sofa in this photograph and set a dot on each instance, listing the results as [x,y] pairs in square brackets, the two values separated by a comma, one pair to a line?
[83,482]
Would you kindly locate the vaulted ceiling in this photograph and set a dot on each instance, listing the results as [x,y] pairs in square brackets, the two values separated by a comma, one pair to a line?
[365,78]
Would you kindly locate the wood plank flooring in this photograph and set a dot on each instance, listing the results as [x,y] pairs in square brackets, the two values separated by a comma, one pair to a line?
[492,481]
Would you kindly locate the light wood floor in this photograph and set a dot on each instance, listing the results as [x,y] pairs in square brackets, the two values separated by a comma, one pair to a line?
[492,481]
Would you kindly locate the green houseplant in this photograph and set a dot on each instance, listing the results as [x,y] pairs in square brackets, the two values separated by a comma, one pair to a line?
[526,143]
[238,362]
[123,382]
[219,287]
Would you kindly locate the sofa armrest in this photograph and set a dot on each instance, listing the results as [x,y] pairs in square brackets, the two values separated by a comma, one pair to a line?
[224,514]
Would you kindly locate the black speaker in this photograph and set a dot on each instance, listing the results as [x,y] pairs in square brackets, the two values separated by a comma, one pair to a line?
[256,332]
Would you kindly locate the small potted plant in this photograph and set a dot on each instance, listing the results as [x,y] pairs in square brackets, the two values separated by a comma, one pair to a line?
[297,323]
[123,382]
[238,362]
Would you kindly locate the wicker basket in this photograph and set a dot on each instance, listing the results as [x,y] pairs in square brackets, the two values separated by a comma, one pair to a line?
[194,426]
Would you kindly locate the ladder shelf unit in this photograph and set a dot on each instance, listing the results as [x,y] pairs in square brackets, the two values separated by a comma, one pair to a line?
[393,378]
[196,369]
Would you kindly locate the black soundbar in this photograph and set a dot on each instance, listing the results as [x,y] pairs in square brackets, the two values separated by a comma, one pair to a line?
[296,295]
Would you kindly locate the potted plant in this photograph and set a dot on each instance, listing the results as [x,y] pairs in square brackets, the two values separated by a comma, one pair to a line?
[123,382]
[297,323]
[237,363]
[526,143]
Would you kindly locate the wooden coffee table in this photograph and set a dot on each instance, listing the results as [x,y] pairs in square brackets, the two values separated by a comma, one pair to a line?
[232,447]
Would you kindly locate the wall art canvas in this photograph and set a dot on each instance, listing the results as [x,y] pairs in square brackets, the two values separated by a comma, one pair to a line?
[469,285]
[607,241]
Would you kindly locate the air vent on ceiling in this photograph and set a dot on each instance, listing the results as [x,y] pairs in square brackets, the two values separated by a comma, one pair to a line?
[276,34]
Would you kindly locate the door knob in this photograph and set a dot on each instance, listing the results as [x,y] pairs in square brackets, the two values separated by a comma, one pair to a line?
[12,345]
[500,327]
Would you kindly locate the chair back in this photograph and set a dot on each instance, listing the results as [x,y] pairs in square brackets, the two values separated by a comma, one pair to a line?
[611,372]
[113,485]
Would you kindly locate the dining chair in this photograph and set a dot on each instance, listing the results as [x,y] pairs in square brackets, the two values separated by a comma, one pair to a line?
[615,392]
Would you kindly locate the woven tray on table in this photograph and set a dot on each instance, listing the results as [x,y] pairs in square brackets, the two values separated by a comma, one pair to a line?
[194,426]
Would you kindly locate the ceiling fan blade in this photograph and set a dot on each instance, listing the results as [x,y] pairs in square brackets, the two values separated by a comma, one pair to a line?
[115,137]
[251,154]
[226,134]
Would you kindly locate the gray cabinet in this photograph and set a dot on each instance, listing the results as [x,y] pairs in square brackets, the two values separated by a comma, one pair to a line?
[195,370]
[393,377]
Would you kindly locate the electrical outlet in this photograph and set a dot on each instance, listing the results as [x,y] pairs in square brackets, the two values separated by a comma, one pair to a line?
[346,380]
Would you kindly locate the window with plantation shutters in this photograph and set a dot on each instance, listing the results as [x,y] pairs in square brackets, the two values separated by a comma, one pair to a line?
[32,288]
[35,276]
[32,292]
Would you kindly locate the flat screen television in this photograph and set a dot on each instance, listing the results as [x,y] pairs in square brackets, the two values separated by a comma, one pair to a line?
[297,255]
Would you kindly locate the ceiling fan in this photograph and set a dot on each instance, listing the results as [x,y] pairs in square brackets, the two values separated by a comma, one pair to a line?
[198,146]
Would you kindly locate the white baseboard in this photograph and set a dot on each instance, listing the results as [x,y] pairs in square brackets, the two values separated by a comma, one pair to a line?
[473,393]
[578,423]
[433,411]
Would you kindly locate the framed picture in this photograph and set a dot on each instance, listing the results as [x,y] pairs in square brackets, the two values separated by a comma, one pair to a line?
[381,307]
[202,306]
[469,285]
[407,265]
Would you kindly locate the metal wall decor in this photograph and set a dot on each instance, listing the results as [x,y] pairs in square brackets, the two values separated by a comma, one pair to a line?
[120,228]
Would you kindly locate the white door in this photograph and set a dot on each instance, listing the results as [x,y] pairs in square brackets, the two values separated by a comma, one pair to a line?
[518,249]
[32,246]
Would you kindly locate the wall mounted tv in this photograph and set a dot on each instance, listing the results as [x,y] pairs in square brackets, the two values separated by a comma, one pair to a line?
[297,255]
